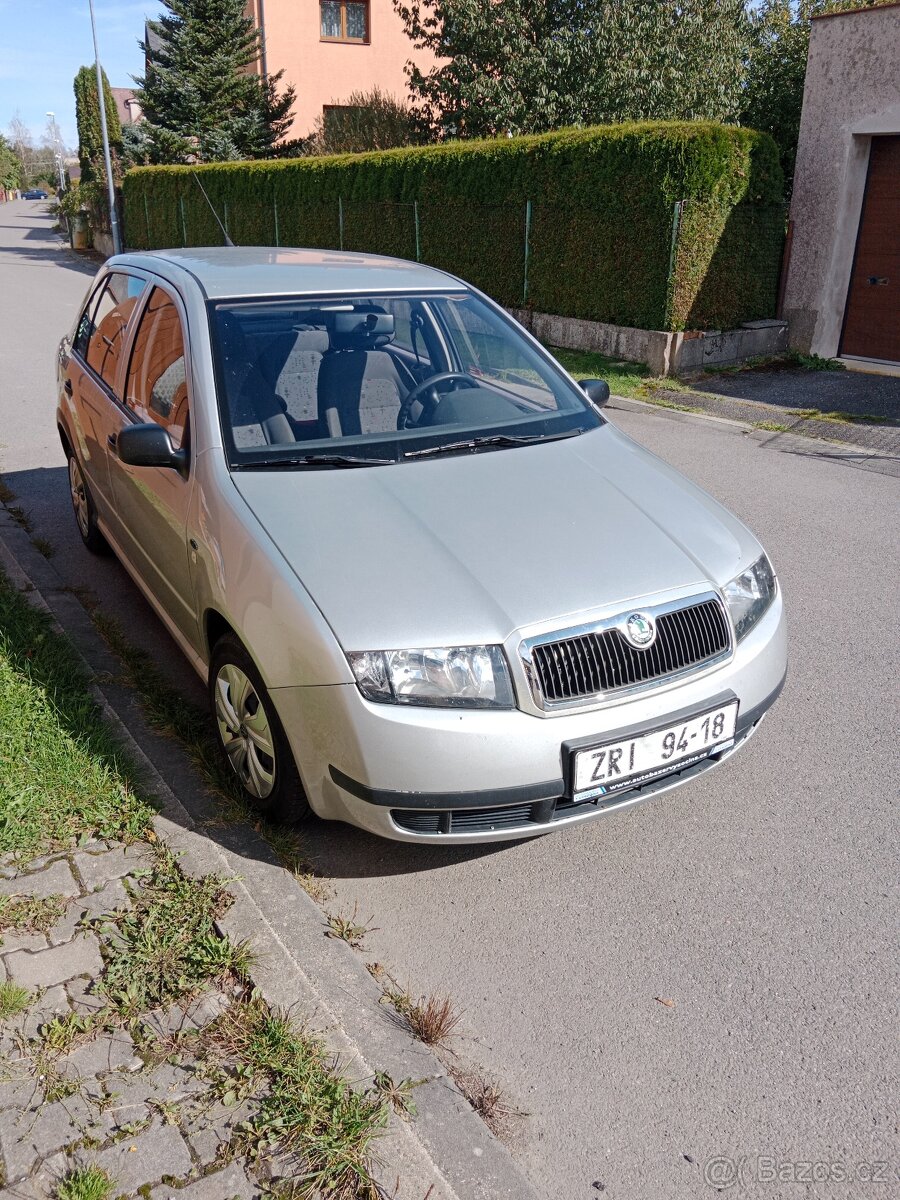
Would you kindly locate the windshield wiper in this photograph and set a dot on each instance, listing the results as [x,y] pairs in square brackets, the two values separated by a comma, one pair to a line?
[314,460]
[496,439]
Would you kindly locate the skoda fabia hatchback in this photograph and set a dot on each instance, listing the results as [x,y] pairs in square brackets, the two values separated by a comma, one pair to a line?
[433,591]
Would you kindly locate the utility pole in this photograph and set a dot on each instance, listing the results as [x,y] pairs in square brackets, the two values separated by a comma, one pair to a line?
[110,184]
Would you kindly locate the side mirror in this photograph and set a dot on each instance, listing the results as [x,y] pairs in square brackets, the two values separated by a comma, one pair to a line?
[596,390]
[150,446]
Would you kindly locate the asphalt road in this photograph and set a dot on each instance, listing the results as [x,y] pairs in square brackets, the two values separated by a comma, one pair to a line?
[761,899]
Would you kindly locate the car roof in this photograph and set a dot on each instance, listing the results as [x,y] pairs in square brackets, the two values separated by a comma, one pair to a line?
[237,271]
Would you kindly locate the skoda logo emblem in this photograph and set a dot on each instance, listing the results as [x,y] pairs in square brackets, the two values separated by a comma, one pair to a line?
[640,630]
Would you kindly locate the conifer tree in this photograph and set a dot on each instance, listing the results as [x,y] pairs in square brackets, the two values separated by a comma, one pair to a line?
[201,95]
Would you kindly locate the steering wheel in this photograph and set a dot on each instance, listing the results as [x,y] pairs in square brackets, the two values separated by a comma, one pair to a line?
[430,385]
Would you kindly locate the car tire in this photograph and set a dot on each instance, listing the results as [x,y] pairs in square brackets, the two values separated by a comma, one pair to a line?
[84,510]
[251,737]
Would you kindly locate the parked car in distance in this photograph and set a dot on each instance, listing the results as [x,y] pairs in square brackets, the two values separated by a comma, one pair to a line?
[34,194]
[432,590]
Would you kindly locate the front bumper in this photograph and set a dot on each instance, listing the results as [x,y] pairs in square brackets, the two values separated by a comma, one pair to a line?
[458,776]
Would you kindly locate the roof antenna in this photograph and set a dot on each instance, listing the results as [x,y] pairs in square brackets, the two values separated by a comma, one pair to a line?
[228,241]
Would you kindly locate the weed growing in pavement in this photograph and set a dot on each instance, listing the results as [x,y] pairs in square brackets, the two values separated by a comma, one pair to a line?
[812,362]
[487,1099]
[305,1107]
[62,772]
[344,926]
[30,914]
[43,546]
[20,517]
[771,426]
[63,1034]
[7,495]
[85,1183]
[166,946]
[432,1019]
[397,1094]
[14,999]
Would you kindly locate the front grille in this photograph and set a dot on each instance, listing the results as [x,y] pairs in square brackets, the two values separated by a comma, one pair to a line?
[575,667]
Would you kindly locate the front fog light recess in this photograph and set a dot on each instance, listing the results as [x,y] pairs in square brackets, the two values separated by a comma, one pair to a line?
[749,595]
[446,676]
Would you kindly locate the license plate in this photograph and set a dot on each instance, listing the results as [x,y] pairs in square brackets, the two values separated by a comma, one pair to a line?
[601,770]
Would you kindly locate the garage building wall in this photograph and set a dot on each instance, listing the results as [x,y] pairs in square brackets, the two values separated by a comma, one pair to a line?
[852,92]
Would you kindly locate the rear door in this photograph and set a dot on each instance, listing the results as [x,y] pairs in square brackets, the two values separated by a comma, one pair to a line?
[93,376]
[152,503]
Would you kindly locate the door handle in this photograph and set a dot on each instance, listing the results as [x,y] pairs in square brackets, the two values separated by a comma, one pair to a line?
[67,387]
[875,280]
[112,440]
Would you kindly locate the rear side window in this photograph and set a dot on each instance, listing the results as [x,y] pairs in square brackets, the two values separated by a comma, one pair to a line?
[108,323]
[85,325]
[157,384]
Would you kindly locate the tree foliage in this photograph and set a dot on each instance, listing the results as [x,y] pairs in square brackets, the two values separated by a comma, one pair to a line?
[201,96]
[525,66]
[90,130]
[9,165]
[779,43]
[370,120]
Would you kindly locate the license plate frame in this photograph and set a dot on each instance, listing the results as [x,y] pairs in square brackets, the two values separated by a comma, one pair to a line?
[675,723]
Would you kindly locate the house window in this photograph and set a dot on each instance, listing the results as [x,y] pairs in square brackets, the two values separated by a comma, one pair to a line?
[344,20]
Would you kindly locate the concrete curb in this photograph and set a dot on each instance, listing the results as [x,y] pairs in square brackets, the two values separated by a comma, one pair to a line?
[805,441]
[445,1152]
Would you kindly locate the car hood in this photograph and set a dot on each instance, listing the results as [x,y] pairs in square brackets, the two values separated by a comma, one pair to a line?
[465,549]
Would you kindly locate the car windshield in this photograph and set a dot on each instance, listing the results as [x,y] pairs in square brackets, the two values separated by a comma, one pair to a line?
[353,381]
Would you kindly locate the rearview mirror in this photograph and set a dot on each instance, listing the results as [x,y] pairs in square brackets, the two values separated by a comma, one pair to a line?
[150,446]
[596,390]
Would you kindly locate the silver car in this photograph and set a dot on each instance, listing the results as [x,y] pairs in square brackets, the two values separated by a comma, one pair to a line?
[433,591]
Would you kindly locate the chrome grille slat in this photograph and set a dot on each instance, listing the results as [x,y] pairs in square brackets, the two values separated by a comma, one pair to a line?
[603,661]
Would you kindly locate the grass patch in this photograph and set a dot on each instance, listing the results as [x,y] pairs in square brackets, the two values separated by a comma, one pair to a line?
[816,414]
[166,945]
[30,914]
[811,362]
[85,1183]
[624,378]
[14,999]
[771,426]
[62,772]
[306,1108]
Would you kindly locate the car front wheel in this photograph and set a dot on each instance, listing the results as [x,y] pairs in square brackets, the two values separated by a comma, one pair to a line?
[251,736]
[83,507]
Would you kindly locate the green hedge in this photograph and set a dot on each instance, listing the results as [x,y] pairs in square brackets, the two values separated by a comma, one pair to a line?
[601,216]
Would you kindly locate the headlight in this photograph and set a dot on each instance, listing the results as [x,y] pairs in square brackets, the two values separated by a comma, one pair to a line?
[749,595]
[456,676]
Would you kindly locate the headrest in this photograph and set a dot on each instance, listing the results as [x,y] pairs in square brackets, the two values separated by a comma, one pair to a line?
[360,330]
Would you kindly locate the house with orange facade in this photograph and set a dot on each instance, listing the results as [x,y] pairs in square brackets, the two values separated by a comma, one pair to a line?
[329,49]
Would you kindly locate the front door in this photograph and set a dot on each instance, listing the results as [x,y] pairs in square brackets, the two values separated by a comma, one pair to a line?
[872,319]
[152,502]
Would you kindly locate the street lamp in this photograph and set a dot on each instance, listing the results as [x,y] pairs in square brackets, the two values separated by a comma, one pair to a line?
[57,152]
[101,100]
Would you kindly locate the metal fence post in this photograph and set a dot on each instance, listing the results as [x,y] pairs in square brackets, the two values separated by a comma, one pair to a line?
[147,219]
[225,216]
[527,251]
[418,239]
[677,212]
[183,222]
[275,211]
[340,222]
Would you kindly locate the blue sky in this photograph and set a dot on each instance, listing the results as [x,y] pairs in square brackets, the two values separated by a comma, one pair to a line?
[44,42]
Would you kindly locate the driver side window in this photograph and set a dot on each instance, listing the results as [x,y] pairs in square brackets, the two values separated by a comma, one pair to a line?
[157,382]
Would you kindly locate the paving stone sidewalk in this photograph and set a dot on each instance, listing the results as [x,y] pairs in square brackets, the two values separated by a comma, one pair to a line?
[131,1098]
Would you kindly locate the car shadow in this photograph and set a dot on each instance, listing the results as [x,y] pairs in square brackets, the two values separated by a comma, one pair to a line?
[80,587]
